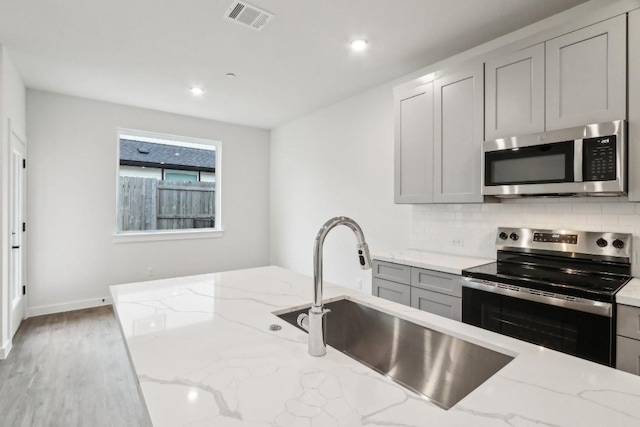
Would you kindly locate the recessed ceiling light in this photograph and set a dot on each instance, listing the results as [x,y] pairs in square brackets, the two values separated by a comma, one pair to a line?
[230,75]
[196,91]
[358,45]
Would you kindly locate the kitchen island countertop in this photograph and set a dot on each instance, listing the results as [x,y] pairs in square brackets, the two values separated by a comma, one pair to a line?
[204,355]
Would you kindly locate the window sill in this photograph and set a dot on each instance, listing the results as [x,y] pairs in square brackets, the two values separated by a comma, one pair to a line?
[153,236]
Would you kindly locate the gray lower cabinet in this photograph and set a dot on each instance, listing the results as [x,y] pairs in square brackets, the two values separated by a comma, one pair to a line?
[428,290]
[436,281]
[440,304]
[391,271]
[628,355]
[628,339]
[392,291]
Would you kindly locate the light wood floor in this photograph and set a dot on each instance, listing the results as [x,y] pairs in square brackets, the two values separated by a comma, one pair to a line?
[69,369]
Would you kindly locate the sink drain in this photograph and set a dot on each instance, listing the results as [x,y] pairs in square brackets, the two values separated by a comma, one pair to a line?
[275,327]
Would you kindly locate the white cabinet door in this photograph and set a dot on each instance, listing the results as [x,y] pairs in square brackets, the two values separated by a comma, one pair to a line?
[414,145]
[586,75]
[634,105]
[514,94]
[458,135]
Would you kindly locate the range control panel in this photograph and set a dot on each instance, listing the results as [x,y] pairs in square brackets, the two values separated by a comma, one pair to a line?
[603,244]
[571,239]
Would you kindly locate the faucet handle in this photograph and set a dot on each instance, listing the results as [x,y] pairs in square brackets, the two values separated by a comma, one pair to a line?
[303,321]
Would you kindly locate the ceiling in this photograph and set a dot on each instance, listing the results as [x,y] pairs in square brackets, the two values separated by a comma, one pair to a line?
[147,53]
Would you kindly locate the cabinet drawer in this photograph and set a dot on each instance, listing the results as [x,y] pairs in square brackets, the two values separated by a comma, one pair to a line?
[390,271]
[628,355]
[391,291]
[628,322]
[436,303]
[431,280]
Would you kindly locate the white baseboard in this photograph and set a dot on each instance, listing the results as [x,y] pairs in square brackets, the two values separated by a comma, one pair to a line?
[69,306]
[5,349]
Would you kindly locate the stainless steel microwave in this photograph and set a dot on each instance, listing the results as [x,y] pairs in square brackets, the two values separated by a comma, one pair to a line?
[587,160]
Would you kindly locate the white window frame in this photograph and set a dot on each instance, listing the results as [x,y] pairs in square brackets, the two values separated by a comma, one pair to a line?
[182,234]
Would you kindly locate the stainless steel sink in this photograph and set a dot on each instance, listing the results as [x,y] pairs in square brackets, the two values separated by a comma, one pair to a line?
[435,365]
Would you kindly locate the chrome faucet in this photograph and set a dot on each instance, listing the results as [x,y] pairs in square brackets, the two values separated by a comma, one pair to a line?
[314,321]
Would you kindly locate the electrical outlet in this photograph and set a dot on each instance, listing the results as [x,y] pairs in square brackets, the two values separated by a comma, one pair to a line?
[151,272]
[358,283]
[457,242]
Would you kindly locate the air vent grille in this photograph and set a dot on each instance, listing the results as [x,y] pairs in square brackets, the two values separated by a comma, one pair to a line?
[248,15]
[236,10]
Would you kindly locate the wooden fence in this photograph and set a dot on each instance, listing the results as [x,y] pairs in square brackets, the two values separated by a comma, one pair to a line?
[152,204]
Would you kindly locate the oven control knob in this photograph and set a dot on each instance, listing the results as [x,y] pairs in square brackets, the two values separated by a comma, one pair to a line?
[618,244]
[601,242]
[514,236]
[503,235]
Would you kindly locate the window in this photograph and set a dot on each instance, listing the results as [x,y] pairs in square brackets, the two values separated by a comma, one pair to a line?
[181,176]
[167,183]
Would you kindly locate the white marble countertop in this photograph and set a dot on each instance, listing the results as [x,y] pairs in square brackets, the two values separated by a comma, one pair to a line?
[203,354]
[446,263]
[630,294]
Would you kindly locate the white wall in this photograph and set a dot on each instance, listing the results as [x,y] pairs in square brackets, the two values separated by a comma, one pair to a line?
[12,107]
[72,258]
[338,161]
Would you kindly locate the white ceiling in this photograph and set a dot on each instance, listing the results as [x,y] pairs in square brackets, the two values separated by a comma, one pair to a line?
[147,53]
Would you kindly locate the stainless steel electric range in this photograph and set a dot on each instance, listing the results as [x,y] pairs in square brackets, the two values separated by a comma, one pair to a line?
[554,288]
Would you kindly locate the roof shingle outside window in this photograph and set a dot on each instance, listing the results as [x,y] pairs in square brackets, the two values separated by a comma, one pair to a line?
[140,153]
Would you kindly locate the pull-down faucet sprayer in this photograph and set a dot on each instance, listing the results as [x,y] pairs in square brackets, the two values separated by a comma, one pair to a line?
[315,325]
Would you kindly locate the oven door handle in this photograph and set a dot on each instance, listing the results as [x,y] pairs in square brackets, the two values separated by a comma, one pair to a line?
[573,303]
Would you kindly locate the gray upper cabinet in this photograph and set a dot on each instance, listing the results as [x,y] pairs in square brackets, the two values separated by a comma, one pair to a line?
[458,135]
[414,145]
[514,93]
[634,105]
[586,75]
[574,79]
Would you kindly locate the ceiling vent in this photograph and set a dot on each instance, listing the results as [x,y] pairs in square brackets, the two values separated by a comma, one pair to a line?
[246,14]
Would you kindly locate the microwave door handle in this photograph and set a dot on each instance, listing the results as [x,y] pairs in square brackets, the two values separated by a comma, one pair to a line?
[577,160]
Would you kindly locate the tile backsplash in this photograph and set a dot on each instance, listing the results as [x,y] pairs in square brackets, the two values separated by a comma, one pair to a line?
[470,229]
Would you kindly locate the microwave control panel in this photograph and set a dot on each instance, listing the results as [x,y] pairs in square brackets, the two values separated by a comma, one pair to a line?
[599,157]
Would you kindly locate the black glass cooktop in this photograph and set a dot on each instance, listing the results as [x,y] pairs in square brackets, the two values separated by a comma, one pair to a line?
[595,280]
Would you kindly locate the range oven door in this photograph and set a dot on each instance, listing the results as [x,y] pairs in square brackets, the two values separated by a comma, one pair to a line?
[579,333]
